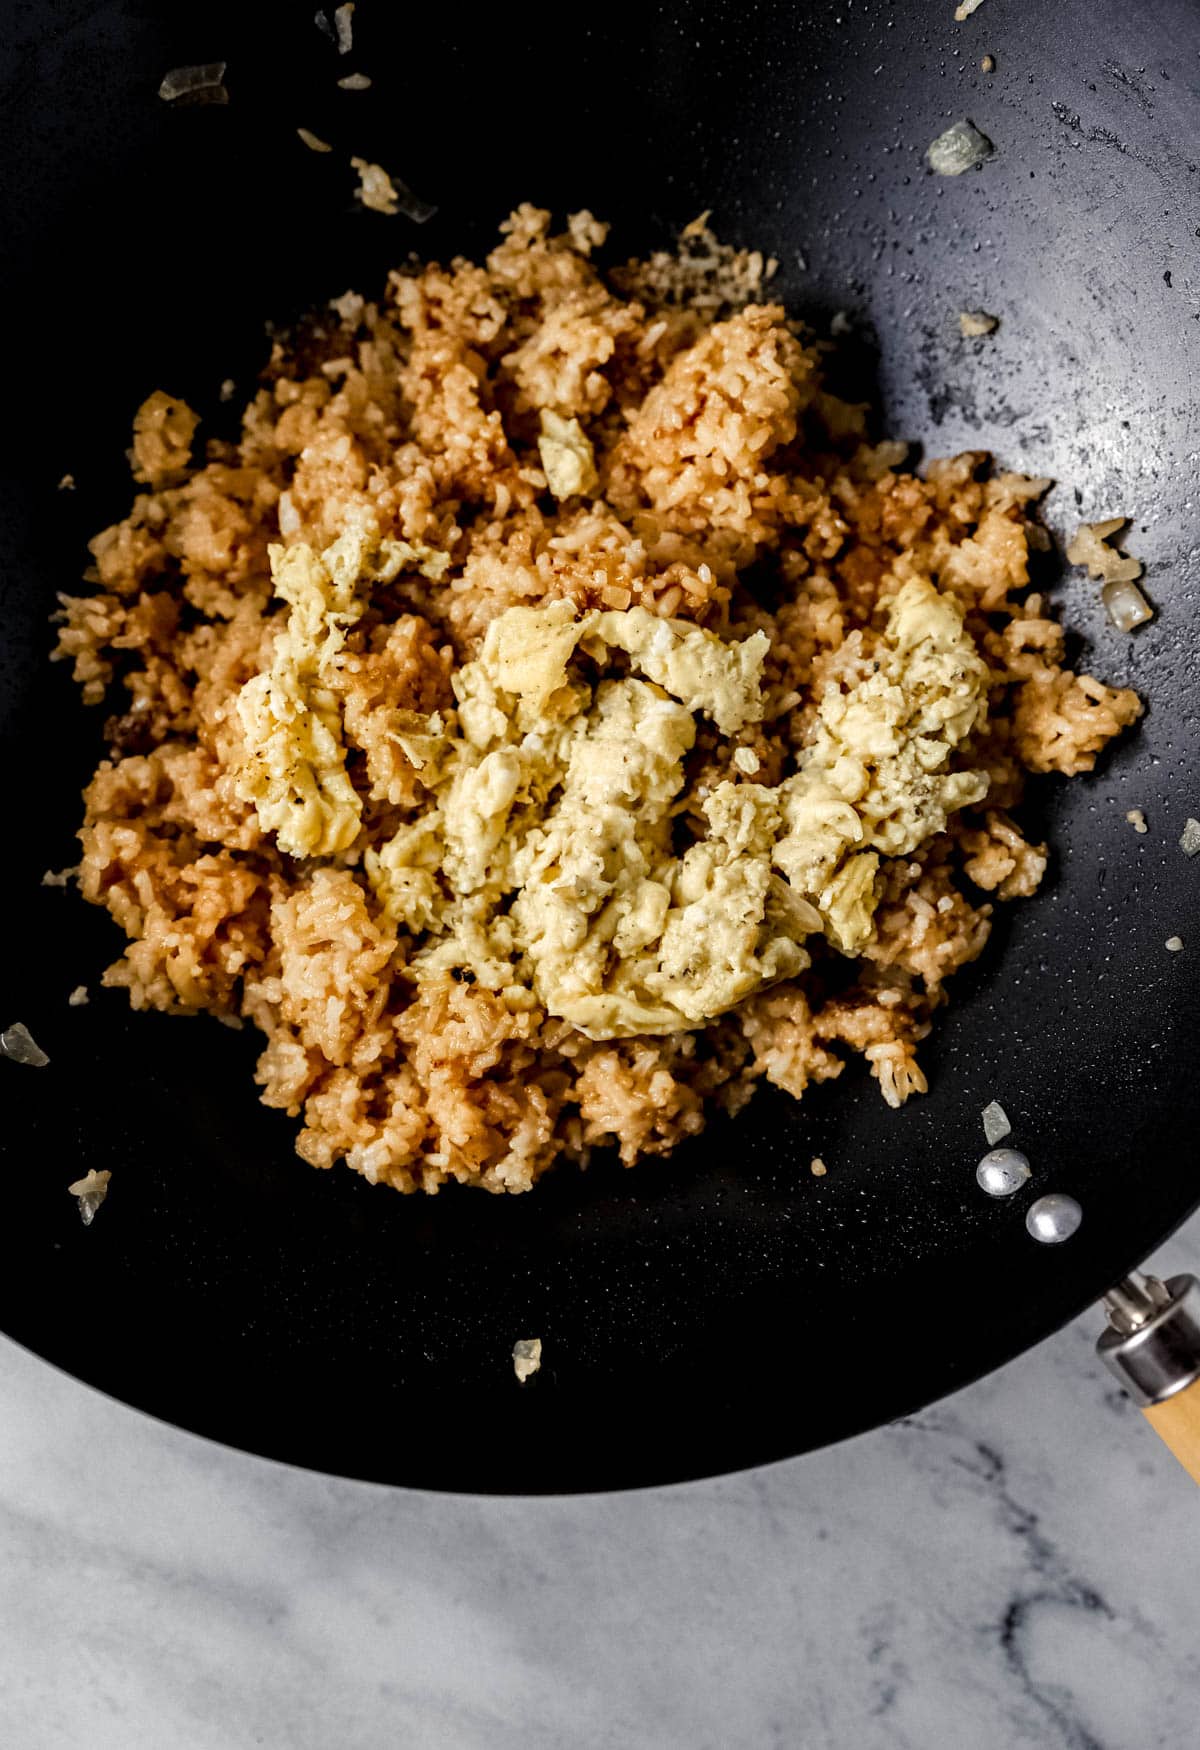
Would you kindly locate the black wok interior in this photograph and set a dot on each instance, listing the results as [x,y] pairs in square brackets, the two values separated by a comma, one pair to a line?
[724,1308]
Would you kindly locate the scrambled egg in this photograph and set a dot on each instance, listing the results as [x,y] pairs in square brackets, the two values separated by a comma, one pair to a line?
[567,458]
[874,777]
[544,862]
[295,770]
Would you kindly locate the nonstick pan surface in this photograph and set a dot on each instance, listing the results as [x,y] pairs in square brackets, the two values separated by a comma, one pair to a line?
[724,1308]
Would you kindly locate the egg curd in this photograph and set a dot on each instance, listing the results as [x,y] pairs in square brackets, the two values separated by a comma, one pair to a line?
[545,865]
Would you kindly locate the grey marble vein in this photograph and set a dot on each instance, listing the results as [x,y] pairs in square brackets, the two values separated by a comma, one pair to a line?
[1013,1569]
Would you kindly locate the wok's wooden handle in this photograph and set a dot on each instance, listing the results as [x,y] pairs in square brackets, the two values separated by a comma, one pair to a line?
[1176,1420]
[1152,1344]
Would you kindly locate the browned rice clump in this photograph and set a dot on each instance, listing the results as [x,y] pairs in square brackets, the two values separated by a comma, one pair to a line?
[717,451]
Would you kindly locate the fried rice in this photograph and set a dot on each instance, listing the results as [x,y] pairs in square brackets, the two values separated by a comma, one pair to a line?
[731,489]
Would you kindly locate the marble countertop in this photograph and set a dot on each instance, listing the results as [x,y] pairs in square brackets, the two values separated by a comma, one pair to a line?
[1013,1568]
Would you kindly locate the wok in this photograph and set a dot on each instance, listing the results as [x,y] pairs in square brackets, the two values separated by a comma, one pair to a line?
[723,1308]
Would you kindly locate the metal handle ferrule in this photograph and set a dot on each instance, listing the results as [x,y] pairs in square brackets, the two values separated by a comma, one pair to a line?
[1152,1343]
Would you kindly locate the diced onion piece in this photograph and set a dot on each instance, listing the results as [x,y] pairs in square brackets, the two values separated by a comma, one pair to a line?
[1189,839]
[411,205]
[18,1044]
[355,82]
[314,141]
[995,1123]
[526,1357]
[1127,606]
[1137,819]
[91,1191]
[961,147]
[973,324]
[1175,944]
[343,24]
[194,82]
[964,10]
